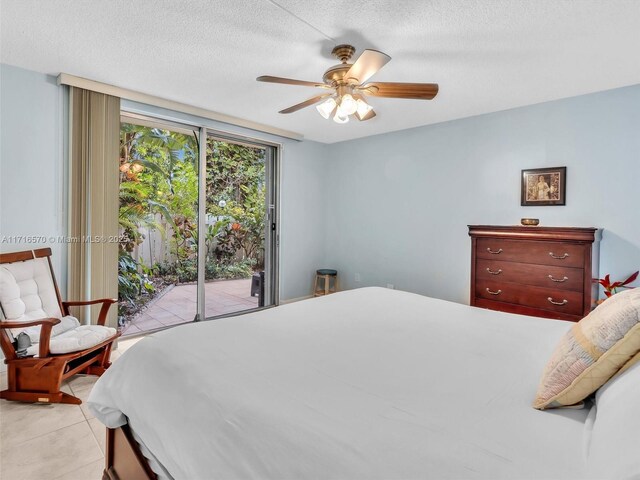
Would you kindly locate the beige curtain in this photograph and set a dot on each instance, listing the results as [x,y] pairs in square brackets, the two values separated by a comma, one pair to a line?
[93,200]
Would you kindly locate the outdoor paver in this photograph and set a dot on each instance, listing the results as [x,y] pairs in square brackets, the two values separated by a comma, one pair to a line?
[178,305]
[131,329]
[176,320]
[161,315]
[150,324]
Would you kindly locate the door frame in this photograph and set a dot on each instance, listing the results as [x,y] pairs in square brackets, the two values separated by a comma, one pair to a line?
[273,153]
[273,162]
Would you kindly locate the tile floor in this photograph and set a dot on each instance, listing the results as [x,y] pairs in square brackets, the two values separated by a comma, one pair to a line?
[53,441]
[178,305]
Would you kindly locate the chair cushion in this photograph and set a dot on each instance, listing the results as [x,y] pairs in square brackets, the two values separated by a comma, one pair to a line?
[27,292]
[326,271]
[66,323]
[77,339]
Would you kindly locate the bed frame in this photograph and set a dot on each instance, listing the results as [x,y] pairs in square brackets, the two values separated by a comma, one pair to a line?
[124,459]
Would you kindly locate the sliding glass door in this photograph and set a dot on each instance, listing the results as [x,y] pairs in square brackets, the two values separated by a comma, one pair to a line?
[198,224]
[158,221]
[240,226]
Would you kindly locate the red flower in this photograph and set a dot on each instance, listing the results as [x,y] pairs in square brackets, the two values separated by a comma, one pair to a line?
[611,288]
[235,226]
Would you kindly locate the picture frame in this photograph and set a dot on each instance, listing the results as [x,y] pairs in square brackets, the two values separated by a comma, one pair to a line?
[543,187]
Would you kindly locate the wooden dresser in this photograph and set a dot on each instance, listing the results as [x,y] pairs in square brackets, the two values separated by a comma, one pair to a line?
[540,271]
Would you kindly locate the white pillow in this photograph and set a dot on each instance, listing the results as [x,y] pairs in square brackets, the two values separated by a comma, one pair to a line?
[614,452]
[591,352]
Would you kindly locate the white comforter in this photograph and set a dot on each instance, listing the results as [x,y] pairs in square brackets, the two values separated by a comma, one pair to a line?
[364,384]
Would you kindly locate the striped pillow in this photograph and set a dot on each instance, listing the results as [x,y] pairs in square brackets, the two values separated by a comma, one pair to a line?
[592,352]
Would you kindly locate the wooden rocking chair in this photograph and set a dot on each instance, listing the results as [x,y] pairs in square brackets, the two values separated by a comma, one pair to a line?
[30,303]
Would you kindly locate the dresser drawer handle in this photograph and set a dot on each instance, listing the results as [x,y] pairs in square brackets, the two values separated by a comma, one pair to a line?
[563,302]
[558,257]
[559,280]
[494,252]
[494,272]
[494,293]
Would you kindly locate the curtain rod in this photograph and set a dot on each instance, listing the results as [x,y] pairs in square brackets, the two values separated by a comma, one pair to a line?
[73,81]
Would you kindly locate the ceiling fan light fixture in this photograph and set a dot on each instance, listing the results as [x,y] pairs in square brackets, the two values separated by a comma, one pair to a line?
[362,108]
[325,108]
[338,118]
[345,86]
[348,105]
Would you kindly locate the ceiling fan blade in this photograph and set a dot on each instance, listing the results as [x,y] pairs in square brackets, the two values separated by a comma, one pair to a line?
[290,81]
[420,91]
[304,104]
[368,63]
[370,114]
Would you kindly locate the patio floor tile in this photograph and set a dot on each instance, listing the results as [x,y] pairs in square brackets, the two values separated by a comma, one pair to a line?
[178,305]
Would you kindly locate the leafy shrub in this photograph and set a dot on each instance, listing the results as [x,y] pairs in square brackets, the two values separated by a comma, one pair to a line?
[228,271]
[133,280]
[236,190]
[186,271]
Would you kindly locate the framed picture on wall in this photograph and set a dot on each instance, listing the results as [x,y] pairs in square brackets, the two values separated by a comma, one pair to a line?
[544,186]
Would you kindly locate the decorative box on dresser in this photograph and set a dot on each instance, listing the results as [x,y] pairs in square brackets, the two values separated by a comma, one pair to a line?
[539,271]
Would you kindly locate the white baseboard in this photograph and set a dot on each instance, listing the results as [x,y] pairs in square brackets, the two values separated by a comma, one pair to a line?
[297,299]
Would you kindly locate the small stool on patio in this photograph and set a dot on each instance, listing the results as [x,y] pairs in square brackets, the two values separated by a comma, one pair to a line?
[326,275]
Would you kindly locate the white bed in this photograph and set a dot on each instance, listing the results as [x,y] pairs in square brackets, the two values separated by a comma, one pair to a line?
[364,384]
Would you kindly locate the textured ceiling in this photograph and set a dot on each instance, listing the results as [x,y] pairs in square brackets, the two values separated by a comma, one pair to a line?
[487,55]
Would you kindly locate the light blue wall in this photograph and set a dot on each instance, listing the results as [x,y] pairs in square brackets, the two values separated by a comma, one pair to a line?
[302,246]
[32,173]
[400,203]
[393,207]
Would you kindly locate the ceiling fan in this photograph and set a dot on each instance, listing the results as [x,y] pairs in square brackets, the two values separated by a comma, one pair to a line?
[346,87]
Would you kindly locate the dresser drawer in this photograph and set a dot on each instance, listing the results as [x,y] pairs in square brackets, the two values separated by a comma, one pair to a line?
[524,251]
[560,278]
[563,301]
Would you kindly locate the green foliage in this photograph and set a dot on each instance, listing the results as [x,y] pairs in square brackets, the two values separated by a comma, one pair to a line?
[159,190]
[132,278]
[241,269]
[186,271]
[158,176]
[236,190]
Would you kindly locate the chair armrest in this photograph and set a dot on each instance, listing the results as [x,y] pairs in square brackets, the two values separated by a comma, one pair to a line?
[45,332]
[102,316]
[80,303]
[32,323]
